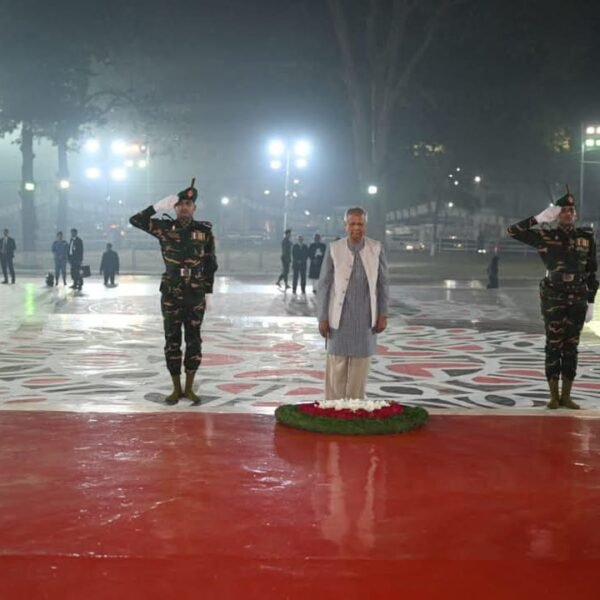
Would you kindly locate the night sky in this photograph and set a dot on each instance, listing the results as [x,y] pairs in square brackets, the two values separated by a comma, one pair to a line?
[211,81]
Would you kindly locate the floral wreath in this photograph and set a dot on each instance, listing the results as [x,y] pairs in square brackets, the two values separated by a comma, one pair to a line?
[352,417]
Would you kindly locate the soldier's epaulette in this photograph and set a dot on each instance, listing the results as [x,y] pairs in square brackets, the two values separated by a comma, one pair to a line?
[206,224]
[586,231]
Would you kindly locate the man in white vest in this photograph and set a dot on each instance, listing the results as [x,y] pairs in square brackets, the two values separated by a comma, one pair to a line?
[352,305]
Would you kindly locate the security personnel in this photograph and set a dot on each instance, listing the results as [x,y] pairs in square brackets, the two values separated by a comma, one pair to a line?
[188,251]
[567,292]
[7,254]
[299,258]
[286,258]
[75,258]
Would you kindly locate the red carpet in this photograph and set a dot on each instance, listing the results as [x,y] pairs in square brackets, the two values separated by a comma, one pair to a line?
[231,506]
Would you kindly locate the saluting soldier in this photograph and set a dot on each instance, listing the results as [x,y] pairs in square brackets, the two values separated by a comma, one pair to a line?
[188,251]
[568,291]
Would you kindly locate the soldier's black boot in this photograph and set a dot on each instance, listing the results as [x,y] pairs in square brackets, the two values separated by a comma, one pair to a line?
[565,397]
[173,397]
[189,391]
[554,396]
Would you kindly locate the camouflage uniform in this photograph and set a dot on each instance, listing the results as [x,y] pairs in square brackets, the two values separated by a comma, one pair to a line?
[569,254]
[189,256]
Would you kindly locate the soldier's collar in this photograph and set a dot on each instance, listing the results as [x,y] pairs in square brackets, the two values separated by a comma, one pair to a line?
[184,221]
[566,227]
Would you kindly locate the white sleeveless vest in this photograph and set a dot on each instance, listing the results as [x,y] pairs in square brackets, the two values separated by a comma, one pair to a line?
[343,261]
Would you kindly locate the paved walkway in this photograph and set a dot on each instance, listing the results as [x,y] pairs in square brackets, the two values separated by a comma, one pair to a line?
[450,346]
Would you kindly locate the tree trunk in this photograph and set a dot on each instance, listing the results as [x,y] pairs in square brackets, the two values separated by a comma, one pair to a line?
[436,219]
[62,214]
[28,219]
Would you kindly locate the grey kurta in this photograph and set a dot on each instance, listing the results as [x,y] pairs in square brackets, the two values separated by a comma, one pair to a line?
[355,336]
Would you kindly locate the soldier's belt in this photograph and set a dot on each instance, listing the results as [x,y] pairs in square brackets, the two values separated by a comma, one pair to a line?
[184,271]
[560,277]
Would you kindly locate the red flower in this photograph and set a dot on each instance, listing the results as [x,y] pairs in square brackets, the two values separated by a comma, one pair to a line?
[381,413]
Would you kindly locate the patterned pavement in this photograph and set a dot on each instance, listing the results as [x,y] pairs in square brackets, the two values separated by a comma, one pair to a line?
[450,346]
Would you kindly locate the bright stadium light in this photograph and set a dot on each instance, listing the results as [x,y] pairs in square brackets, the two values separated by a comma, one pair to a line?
[267,192]
[276,148]
[92,146]
[29,186]
[372,190]
[93,173]
[118,147]
[450,204]
[118,174]
[302,148]
[307,213]
[477,179]
[591,130]
[288,155]
[224,200]
[64,184]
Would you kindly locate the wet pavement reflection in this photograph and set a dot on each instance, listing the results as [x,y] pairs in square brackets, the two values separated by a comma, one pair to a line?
[105,488]
[450,346]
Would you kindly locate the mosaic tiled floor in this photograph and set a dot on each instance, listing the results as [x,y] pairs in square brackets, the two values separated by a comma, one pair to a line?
[447,347]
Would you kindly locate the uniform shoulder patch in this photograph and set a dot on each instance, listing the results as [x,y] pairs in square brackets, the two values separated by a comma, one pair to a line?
[586,231]
[206,224]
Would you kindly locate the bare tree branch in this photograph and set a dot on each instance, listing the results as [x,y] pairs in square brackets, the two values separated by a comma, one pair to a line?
[340,26]
[372,21]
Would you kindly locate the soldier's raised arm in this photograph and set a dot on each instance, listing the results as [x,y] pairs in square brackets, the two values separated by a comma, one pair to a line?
[523,230]
[144,221]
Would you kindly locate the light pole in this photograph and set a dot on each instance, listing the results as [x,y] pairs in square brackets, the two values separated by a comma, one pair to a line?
[590,141]
[298,151]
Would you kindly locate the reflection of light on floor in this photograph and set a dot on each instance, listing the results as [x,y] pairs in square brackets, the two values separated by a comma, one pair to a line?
[594,324]
[595,327]
[30,304]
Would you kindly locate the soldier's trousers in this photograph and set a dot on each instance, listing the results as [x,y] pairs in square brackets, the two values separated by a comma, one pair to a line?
[184,307]
[563,310]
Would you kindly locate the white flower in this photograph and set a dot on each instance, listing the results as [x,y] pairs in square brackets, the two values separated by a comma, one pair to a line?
[353,404]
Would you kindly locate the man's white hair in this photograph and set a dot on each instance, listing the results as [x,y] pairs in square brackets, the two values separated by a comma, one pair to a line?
[356,210]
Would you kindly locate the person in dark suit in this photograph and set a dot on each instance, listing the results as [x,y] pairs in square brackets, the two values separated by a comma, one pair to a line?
[299,258]
[316,253]
[75,257]
[286,257]
[60,249]
[109,265]
[492,272]
[7,254]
